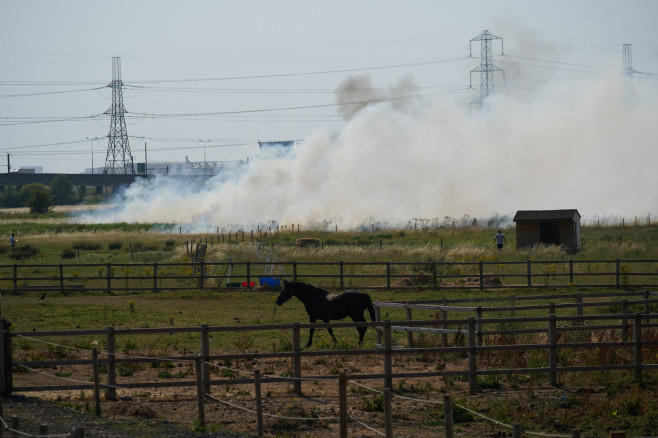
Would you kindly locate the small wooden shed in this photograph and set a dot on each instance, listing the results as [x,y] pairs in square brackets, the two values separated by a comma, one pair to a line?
[551,227]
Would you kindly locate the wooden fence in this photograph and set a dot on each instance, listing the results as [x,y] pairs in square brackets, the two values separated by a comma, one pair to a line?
[477,340]
[472,337]
[127,277]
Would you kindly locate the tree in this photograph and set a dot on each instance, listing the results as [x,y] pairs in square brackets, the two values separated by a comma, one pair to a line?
[10,198]
[61,189]
[40,201]
[25,193]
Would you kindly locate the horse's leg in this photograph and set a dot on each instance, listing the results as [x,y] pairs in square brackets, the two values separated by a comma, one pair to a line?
[361,330]
[330,330]
[310,333]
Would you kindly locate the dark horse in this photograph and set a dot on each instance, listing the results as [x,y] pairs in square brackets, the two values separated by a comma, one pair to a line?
[324,306]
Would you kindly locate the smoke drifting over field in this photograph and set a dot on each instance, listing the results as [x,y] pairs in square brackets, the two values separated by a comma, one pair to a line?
[577,148]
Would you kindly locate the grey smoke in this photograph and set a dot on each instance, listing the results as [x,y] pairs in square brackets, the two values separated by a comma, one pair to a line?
[582,149]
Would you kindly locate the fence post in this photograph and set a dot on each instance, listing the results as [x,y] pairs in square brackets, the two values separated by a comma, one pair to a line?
[517,431]
[294,271]
[472,380]
[388,356]
[552,350]
[14,425]
[479,326]
[296,359]
[617,272]
[111,393]
[637,347]
[579,304]
[434,282]
[388,275]
[249,274]
[15,278]
[259,401]
[155,277]
[624,321]
[575,433]
[109,281]
[481,275]
[341,275]
[645,297]
[529,272]
[202,272]
[205,356]
[97,384]
[410,334]
[444,316]
[447,416]
[61,279]
[388,414]
[199,391]
[6,359]
[342,403]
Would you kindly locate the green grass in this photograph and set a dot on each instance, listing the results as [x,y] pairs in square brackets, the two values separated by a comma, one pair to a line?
[625,405]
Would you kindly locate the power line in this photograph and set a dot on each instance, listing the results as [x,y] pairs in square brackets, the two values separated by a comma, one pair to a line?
[262,76]
[4,96]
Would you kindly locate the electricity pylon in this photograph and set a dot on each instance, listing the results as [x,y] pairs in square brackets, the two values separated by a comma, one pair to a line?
[119,158]
[486,68]
[628,74]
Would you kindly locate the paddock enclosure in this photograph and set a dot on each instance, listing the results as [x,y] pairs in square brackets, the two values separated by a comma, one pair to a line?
[481,275]
[422,352]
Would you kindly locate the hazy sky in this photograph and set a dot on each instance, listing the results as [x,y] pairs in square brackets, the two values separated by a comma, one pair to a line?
[208,79]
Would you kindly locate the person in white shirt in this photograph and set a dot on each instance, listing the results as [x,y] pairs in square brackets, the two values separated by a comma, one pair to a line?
[500,240]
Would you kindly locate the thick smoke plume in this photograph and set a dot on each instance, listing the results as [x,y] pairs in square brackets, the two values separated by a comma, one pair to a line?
[581,148]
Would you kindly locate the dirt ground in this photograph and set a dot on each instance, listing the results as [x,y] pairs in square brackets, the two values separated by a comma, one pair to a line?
[230,411]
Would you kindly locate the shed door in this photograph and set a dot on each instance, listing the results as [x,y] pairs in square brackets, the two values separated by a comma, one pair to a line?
[549,233]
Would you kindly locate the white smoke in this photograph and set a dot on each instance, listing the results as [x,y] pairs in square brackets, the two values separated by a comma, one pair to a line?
[581,148]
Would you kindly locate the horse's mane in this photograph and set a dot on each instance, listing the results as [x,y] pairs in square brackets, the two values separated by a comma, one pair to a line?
[308,288]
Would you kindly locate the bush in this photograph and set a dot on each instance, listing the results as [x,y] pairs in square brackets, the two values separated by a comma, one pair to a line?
[68,254]
[24,252]
[40,201]
[114,246]
[88,246]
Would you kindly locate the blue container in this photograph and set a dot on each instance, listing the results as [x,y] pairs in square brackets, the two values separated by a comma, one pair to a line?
[270,281]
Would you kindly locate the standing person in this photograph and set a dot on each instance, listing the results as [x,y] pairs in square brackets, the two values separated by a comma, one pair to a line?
[12,241]
[500,240]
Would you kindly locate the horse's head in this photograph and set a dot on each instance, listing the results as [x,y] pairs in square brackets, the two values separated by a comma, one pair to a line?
[287,292]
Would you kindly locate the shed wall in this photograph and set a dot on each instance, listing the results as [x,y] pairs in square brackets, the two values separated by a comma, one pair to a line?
[528,233]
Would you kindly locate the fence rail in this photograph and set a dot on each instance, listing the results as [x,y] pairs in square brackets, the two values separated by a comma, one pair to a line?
[475,341]
[635,343]
[128,277]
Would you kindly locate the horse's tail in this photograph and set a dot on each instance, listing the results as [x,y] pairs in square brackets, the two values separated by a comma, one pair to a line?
[371,310]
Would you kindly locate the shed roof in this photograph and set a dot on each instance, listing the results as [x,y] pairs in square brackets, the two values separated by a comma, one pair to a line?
[535,215]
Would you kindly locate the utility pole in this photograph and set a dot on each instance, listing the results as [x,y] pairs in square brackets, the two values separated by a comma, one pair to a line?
[628,71]
[486,68]
[119,158]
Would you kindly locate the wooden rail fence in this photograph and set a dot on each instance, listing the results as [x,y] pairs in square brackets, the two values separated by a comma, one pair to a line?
[637,336]
[126,277]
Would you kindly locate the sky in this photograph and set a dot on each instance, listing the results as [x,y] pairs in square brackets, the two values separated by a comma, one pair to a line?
[380,96]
